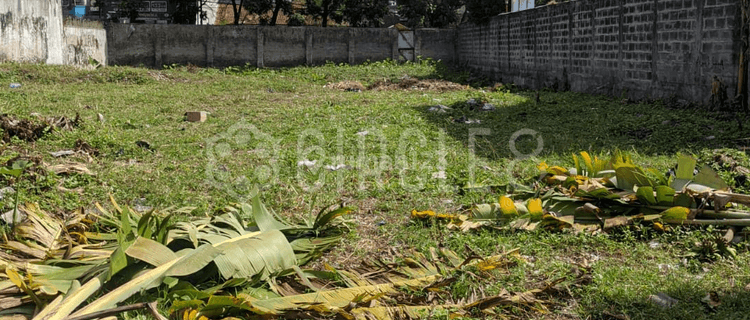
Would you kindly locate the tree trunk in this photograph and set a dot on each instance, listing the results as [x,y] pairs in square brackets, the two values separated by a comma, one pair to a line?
[237,9]
[326,4]
[277,7]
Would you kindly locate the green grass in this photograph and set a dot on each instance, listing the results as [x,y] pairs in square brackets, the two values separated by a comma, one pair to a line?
[264,121]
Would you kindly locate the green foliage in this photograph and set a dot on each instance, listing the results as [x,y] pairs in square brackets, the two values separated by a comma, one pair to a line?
[430,13]
[263,7]
[365,13]
[296,20]
[325,10]
[480,11]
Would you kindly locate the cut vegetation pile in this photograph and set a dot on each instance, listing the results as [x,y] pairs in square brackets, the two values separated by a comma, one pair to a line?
[58,267]
[52,265]
[31,130]
[600,194]
[405,83]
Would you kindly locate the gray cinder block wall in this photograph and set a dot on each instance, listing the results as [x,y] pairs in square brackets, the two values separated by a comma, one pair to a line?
[279,46]
[636,48]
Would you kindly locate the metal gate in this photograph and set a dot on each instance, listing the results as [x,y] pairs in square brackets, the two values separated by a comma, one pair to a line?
[406,45]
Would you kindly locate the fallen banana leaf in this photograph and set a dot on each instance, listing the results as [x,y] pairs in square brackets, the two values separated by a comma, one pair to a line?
[610,195]
[53,257]
[188,263]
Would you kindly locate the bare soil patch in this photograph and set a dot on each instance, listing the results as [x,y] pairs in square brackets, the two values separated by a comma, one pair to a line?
[346,86]
[406,84]
[417,85]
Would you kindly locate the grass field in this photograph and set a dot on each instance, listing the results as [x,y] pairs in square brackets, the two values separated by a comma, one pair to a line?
[395,156]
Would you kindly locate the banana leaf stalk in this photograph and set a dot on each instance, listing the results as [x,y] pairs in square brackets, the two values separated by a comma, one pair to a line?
[702,222]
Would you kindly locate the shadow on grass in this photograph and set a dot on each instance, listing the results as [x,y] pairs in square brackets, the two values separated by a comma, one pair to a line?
[567,122]
[690,302]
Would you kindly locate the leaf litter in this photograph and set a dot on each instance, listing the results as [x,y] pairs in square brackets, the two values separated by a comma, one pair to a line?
[31,130]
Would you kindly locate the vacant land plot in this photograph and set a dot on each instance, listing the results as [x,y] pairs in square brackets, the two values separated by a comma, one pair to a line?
[385,139]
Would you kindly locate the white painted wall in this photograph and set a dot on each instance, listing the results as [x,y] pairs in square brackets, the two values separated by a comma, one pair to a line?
[31,31]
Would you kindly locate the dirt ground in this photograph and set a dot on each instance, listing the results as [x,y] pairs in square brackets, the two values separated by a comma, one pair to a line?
[407,84]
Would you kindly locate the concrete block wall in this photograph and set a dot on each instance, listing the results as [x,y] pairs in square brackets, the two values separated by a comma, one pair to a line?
[263,46]
[637,48]
[438,44]
[82,44]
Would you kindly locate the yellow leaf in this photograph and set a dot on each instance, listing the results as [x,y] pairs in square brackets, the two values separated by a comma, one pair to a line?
[535,209]
[659,227]
[507,207]
[422,214]
[14,277]
[542,166]
[557,170]
[489,264]
[675,213]
[587,161]
[431,214]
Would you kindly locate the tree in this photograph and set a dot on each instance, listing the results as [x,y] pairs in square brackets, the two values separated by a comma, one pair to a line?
[430,13]
[365,13]
[129,8]
[237,9]
[262,7]
[480,11]
[281,5]
[325,9]
[188,11]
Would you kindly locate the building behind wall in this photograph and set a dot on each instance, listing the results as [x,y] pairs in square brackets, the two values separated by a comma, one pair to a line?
[134,11]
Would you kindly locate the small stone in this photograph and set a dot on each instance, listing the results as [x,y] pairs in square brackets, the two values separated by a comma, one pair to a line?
[101,117]
[196,116]
[140,205]
[8,217]
[439,109]
[336,167]
[143,144]
[663,300]
[488,107]
[6,191]
[307,163]
[62,153]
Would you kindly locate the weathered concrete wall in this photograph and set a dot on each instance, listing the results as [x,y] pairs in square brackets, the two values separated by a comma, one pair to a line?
[438,44]
[220,46]
[640,48]
[82,44]
[31,31]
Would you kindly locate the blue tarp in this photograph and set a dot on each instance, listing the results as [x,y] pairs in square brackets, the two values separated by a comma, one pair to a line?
[79,11]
